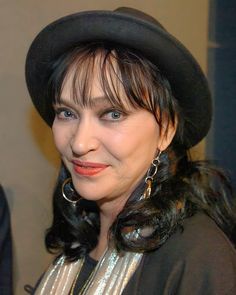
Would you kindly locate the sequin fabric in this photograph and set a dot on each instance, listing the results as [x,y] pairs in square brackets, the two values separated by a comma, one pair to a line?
[110,276]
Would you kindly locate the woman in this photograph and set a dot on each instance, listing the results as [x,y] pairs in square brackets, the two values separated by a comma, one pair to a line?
[132,213]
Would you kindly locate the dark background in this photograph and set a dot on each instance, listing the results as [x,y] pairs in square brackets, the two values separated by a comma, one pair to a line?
[222,76]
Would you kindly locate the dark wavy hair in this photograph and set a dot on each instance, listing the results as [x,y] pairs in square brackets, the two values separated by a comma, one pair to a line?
[181,188]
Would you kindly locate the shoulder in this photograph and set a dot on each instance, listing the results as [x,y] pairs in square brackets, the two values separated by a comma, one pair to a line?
[200,235]
[199,257]
[3,202]
[4,213]
[5,247]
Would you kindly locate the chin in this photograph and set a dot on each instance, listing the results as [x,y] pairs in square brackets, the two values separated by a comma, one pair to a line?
[90,195]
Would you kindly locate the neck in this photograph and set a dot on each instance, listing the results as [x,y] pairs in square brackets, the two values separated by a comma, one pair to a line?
[108,213]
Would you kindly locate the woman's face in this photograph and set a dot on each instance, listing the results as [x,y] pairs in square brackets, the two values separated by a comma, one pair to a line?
[107,150]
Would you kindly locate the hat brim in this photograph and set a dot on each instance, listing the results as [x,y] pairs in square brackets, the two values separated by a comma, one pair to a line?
[186,78]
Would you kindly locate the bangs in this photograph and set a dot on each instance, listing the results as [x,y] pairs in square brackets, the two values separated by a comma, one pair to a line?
[127,79]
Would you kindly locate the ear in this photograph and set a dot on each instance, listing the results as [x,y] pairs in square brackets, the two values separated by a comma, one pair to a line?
[167,133]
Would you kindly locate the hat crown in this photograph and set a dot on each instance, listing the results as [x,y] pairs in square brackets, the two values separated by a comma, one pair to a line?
[140,15]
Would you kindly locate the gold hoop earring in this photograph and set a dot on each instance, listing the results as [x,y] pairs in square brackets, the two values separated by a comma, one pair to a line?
[152,171]
[68,192]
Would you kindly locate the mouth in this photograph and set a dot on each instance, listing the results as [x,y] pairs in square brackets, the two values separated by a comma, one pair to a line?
[88,168]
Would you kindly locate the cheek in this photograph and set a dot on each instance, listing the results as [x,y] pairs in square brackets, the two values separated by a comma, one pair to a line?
[60,137]
[134,144]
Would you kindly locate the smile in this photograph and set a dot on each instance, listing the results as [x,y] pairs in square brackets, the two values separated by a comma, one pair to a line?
[88,168]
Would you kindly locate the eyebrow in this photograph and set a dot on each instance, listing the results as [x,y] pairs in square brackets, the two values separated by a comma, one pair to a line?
[93,102]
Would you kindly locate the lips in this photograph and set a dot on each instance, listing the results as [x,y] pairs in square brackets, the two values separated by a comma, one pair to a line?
[88,168]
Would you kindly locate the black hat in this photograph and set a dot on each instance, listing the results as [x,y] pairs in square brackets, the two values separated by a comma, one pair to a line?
[133,29]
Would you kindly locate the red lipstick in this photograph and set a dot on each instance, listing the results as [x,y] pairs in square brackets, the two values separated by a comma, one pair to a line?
[88,168]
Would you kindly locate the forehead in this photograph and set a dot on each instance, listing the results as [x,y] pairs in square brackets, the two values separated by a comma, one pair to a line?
[80,79]
[94,80]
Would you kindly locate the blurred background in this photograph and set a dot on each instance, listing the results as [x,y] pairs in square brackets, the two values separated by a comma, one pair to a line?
[28,159]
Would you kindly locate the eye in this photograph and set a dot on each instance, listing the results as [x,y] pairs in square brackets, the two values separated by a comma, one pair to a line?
[112,115]
[64,114]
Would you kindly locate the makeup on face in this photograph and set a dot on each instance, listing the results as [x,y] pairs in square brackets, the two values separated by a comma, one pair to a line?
[106,148]
[88,168]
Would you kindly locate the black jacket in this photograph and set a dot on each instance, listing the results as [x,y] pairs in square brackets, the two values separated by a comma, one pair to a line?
[5,247]
[198,261]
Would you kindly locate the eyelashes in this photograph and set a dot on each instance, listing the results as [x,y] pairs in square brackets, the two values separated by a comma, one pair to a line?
[108,115]
[64,113]
[113,115]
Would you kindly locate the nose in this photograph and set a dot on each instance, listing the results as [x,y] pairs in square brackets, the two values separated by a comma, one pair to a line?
[84,138]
